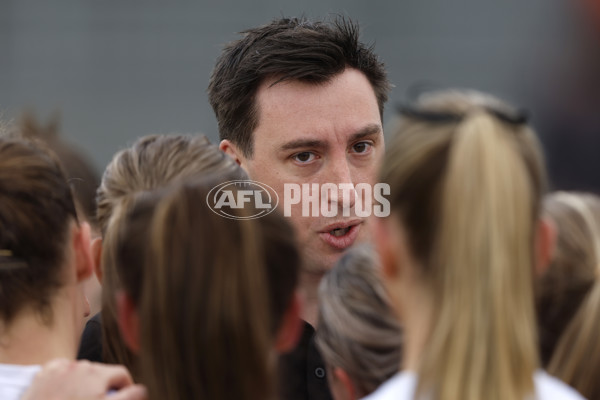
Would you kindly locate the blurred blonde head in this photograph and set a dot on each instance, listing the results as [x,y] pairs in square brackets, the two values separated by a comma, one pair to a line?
[154,161]
[574,264]
[359,332]
[574,272]
[467,177]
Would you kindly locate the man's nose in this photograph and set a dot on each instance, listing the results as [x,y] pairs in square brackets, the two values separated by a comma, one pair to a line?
[341,176]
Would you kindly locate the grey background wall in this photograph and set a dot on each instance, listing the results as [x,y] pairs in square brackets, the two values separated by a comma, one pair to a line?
[117,70]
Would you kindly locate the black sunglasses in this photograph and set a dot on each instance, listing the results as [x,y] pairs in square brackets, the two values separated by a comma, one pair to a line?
[411,109]
[514,117]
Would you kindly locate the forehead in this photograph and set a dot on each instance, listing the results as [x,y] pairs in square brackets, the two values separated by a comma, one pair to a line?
[332,110]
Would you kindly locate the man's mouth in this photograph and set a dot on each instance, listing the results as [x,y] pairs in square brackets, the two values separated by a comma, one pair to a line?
[342,235]
[339,232]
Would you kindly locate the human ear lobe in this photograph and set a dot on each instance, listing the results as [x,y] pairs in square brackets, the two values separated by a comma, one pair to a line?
[546,235]
[231,150]
[129,321]
[97,257]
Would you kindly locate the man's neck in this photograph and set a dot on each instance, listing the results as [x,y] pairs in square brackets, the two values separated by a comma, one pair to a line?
[28,341]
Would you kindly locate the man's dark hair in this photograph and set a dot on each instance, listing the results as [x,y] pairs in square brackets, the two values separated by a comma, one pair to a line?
[285,49]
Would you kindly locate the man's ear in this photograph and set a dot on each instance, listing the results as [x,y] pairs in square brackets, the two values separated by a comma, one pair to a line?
[129,321]
[547,233]
[231,150]
[97,257]
[386,248]
[349,392]
[290,327]
[81,237]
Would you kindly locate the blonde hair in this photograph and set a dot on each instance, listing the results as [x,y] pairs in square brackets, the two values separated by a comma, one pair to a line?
[358,329]
[574,265]
[150,163]
[157,160]
[466,179]
[576,359]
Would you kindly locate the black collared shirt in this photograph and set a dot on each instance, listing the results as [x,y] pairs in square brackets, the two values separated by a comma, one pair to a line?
[302,373]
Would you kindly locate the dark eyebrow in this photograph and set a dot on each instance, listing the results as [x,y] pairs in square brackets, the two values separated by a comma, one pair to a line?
[368,130]
[303,143]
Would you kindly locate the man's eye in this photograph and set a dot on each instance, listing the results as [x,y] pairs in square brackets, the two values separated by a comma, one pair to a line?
[304,157]
[362,147]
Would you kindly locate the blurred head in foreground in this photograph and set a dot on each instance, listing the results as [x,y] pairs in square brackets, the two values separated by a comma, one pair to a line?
[574,265]
[463,242]
[201,315]
[359,335]
[44,256]
[81,174]
[152,162]
[569,293]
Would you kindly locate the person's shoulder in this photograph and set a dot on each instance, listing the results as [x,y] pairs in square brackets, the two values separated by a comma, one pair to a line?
[549,388]
[93,327]
[96,320]
[399,387]
[20,373]
[90,347]
[14,379]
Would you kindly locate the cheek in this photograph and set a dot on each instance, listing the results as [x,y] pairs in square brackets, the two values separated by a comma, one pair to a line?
[265,172]
[366,173]
[252,169]
[301,225]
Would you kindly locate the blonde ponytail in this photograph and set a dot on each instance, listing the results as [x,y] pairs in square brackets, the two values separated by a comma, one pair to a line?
[467,190]
[483,339]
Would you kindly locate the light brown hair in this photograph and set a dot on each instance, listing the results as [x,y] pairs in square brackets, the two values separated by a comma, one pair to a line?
[358,329]
[150,163]
[157,160]
[206,326]
[467,178]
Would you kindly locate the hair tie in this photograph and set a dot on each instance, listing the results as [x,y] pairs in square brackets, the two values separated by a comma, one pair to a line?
[9,262]
[513,117]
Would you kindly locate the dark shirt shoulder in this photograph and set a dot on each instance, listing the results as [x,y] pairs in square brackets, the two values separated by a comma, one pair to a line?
[90,347]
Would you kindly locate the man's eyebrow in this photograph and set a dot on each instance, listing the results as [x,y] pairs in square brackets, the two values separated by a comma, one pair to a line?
[369,130]
[303,143]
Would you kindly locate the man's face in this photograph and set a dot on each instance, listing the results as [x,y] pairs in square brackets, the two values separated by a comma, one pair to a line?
[325,133]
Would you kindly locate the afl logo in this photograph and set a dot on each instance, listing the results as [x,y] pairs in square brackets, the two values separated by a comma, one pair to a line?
[233,195]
